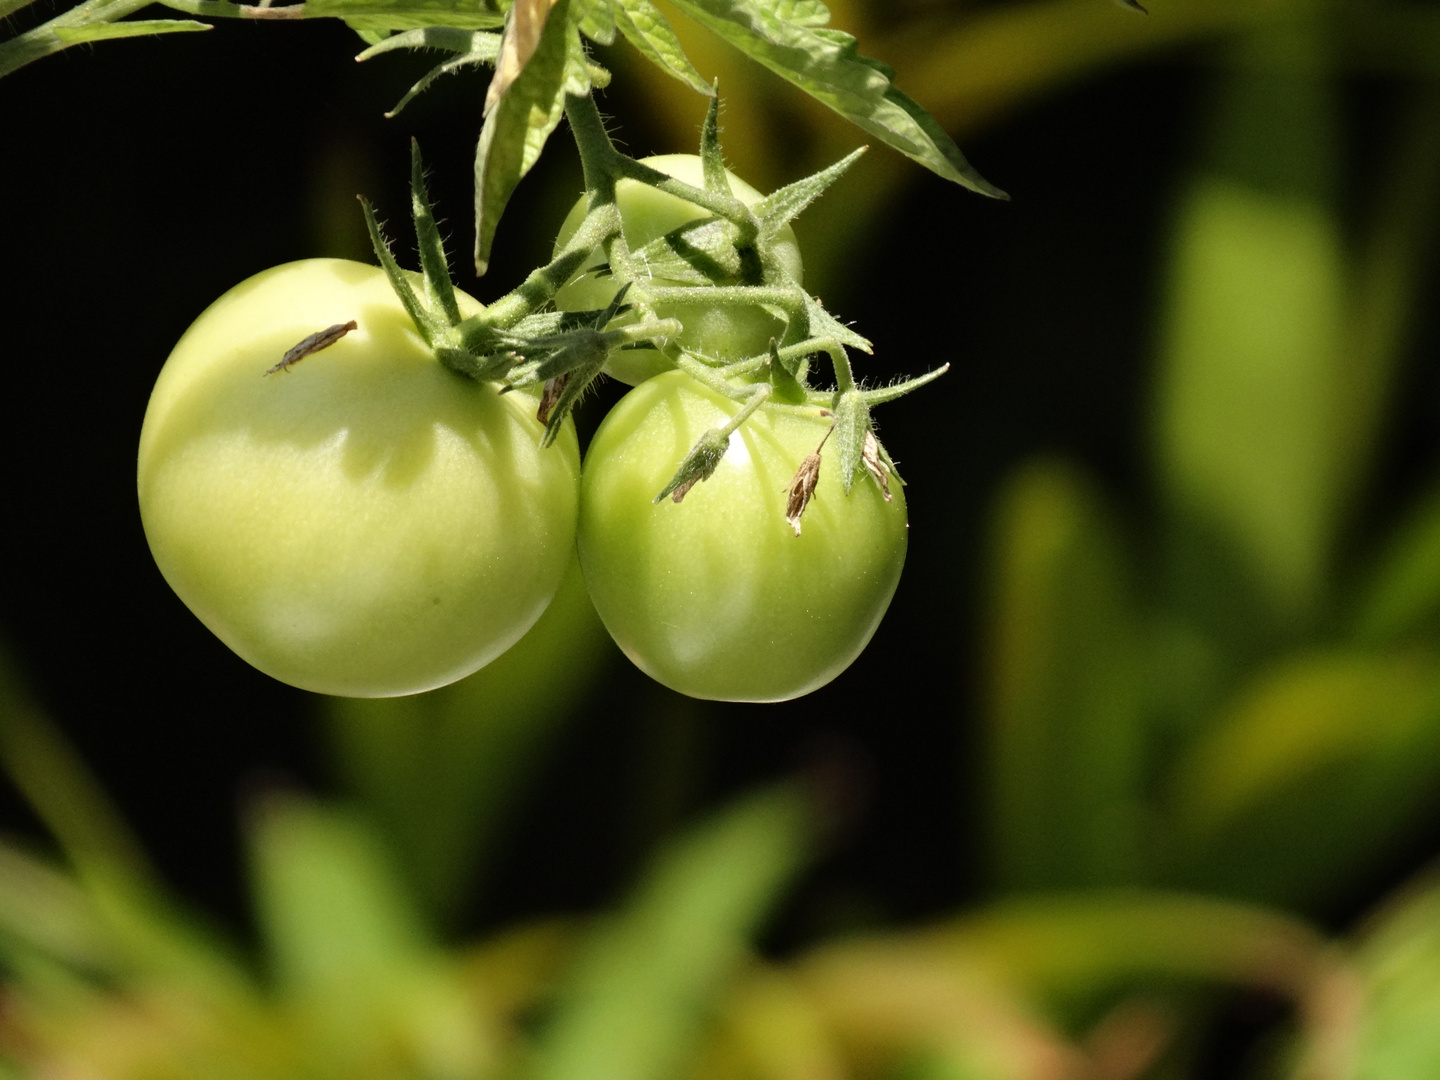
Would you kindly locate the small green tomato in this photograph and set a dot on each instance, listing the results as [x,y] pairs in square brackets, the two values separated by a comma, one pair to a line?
[366,523]
[716,597]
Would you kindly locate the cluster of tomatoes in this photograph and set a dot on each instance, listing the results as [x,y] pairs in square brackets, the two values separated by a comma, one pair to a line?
[354,518]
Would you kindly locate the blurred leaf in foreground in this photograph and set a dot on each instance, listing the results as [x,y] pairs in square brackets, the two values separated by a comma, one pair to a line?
[349,953]
[1400,963]
[634,1005]
[1066,723]
[1249,402]
[1310,776]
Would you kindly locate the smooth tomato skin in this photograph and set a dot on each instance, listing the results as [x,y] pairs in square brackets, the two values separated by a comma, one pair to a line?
[646,214]
[366,524]
[715,596]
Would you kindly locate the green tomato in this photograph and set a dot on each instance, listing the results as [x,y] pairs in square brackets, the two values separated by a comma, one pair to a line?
[715,596]
[646,213]
[366,523]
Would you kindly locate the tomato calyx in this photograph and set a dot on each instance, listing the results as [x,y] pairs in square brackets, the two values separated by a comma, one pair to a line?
[728,257]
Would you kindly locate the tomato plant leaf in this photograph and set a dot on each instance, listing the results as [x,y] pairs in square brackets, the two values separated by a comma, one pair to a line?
[647,29]
[597,21]
[409,14]
[826,65]
[631,1006]
[74,35]
[521,119]
[801,12]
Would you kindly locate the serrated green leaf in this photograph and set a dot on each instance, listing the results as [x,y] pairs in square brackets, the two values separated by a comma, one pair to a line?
[409,14]
[521,121]
[1066,717]
[597,21]
[647,29]
[633,1005]
[826,65]
[801,12]
[75,35]
[1310,775]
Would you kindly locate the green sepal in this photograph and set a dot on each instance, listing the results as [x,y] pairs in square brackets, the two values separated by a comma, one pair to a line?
[778,209]
[577,381]
[647,29]
[785,378]
[703,252]
[699,465]
[825,326]
[469,46]
[883,394]
[439,290]
[717,181]
[521,121]
[852,423]
[398,279]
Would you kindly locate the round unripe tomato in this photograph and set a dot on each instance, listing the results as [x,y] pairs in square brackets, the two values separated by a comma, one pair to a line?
[715,596]
[367,523]
[719,330]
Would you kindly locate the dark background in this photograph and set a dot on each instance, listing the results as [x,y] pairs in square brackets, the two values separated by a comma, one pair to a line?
[142,179]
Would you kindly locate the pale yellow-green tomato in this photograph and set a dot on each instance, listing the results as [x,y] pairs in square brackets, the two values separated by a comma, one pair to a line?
[722,331]
[366,523]
[716,596]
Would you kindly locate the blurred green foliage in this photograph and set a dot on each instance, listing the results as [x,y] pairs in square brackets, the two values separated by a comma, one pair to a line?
[1204,720]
